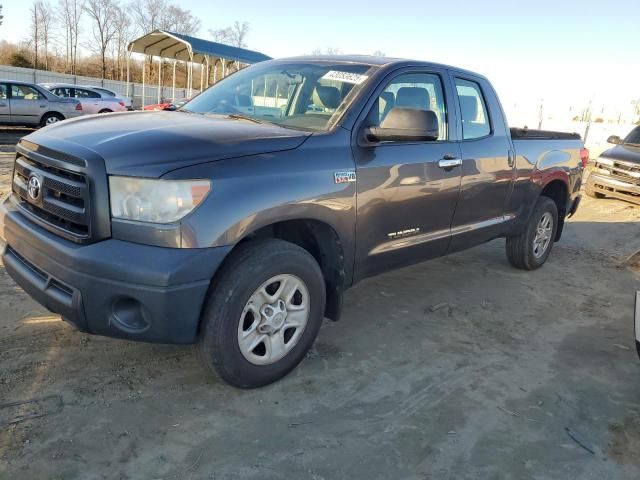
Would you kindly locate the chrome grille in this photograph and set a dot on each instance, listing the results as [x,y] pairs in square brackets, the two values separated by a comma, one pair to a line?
[624,172]
[63,202]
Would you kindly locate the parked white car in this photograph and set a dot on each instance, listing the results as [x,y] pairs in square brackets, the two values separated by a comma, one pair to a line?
[92,100]
[106,93]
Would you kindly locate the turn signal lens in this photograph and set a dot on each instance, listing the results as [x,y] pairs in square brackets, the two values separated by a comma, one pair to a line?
[584,156]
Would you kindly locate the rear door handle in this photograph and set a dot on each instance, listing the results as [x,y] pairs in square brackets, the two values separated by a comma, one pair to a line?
[449,162]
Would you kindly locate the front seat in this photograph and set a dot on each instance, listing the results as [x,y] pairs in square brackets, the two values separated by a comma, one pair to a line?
[326,97]
[386,102]
[413,97]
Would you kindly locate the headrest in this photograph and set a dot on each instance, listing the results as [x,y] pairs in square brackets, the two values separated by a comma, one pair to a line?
[326,96]
[244,100]
[389,98]
[413,97]
[411,119]
[469,107]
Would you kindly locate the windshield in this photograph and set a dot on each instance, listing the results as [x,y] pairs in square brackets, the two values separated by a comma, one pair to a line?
[634,137]
[307,96]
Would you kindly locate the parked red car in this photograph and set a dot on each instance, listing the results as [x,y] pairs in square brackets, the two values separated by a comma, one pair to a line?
[167,106]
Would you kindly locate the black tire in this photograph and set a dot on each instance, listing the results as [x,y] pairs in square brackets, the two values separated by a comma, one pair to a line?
[106,110]
[249,266]
[520,248]
[591,192]
[47,117]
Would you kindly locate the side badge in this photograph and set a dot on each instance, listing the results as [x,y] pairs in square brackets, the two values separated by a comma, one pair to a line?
[345,177]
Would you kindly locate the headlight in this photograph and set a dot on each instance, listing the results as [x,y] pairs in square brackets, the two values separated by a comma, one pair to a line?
[605,161]
[155,201]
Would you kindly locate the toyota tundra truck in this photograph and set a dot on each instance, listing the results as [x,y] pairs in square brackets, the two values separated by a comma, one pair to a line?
[239,228]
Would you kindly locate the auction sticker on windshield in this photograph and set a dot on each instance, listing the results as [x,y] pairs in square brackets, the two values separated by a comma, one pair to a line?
[346,77]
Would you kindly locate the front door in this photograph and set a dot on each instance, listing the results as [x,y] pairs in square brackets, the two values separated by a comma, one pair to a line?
[27,104]
[406,191]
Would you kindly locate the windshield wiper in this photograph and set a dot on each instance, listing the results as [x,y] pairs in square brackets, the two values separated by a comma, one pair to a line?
[241,116]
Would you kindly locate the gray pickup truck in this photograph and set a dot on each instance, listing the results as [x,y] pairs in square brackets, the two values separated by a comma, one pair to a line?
[240,228]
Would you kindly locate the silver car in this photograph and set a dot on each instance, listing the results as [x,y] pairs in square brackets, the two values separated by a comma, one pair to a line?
[92,101]
[23,103]
[105,92]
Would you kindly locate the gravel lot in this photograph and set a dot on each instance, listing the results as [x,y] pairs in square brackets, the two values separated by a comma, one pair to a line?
[460,368]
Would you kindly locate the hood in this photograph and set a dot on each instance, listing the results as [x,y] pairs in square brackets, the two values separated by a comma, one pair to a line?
[624,153]
[150,144]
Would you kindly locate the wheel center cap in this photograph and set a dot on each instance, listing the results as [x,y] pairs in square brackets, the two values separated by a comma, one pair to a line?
[273,317]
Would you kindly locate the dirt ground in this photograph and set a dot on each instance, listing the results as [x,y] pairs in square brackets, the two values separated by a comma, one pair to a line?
[460,368]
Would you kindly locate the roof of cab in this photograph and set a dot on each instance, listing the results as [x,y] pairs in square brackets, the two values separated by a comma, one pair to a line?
[377,61]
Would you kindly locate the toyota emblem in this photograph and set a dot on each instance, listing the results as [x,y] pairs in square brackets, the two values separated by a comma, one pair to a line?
[34,187]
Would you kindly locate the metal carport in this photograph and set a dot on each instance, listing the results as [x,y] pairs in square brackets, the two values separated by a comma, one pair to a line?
[177,47]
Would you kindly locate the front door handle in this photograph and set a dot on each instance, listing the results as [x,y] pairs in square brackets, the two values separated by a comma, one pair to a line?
[449,162]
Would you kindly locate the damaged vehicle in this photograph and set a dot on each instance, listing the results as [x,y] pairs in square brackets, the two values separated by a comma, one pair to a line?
[616,173]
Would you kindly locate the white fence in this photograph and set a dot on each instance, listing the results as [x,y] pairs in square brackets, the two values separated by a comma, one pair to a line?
[135,89]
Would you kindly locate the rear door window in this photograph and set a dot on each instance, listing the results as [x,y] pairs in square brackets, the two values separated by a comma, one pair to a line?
[473,110]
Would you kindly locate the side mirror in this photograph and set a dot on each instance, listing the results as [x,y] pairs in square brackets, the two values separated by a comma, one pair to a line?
[405,125]
[615,139]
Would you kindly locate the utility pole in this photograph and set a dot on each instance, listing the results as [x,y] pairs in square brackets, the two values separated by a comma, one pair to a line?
[540,114]
[636,111]
[586,130]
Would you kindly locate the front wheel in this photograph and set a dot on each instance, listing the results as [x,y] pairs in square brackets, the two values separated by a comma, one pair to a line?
[263,313]
[530,249]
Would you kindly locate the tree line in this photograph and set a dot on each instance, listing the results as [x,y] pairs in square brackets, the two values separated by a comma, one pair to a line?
[90,37]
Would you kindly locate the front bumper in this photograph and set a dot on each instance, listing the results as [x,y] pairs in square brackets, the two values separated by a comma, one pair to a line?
[614,188]
[112,288]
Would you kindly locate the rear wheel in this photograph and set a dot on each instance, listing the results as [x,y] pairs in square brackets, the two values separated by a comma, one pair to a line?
[262,314]
[106,110]
[592,192]
[50,119]
[530,249]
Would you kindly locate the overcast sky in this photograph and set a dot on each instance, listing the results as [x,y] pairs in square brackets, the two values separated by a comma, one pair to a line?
[564,52]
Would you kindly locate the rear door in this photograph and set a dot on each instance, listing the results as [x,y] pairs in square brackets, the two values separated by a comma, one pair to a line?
[27,104]
[91,101]
[487,164]
[5,111]
[406,198]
